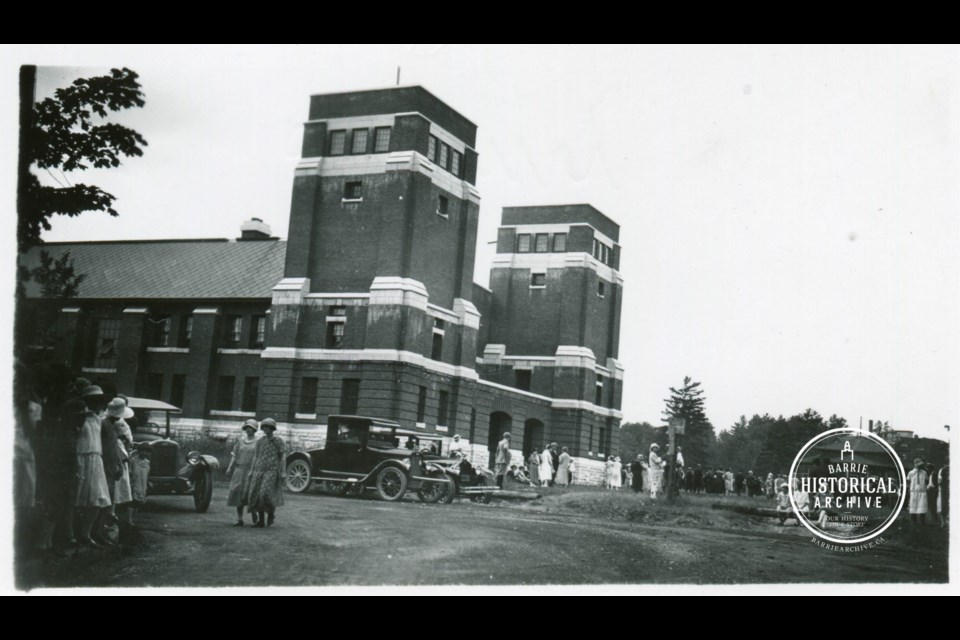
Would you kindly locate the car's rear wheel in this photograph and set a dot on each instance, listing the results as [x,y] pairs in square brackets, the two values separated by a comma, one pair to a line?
[391,484]
[298,476]
[431,492]
[203,490]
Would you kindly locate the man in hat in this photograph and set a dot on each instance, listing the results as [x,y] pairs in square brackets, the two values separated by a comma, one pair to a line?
[456,447]
[636,468]
[503,458]
[555,460]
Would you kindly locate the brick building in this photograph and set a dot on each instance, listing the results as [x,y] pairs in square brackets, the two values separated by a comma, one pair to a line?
[369,306]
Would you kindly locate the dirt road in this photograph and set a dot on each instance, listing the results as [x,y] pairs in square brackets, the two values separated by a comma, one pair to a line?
[326,540]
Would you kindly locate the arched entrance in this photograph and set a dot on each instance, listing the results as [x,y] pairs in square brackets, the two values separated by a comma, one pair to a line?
[533,437]
[499,424]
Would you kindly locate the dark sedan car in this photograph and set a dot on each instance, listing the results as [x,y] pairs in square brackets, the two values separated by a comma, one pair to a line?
[372,453]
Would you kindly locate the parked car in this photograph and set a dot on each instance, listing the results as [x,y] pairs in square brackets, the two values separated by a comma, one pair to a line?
[171,472]
[371,453]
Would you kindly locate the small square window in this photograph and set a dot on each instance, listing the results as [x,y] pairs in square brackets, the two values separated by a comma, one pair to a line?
[542,244]
[338,143]
[359,141]
[523,243]
[443,205]
[538,279]
[353,190]
[339,311]
[559,242]
[439,323]
[522,379]
[381,140]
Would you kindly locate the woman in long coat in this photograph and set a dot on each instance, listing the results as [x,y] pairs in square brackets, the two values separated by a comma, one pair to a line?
[563,469]
[917,486]
[241,463]
[265,491]
[533,465]
[546,467]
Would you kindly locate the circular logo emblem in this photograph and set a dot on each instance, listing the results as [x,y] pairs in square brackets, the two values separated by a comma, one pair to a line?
[847,486]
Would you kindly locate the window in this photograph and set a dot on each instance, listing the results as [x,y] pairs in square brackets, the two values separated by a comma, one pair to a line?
[438,323]
[596,249]
[160,331]
[538,280]
[443,206]
[473,423]
[154,388]
[601,288]
[523,243]
[456,162]
[381,140]
[107,334]
[308,396]
[432,149]
[542,244]
[422,405]
[225,393]
[359,141]
[186,331]
[602,441]
[234,325]
[338,143]
[251,387]
[604,254]
[335,331]
[523,377]
[598,398]
[353,190]
[258,336]
[178,387]
[436,351]
[443,156]
[349,396]
[559,242]
[444,410]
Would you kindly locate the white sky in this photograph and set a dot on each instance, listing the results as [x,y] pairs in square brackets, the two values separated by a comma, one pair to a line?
[789,215]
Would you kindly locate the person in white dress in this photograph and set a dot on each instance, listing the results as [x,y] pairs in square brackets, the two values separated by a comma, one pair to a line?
[616,474]
[655,470]
[917,492]
[563,469]
[546,467]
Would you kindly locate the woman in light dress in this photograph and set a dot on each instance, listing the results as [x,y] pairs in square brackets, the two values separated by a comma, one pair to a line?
[608,473]
[655,470]
[616,474]
[241,463]
[91,493]
[563,469]
[546,467]
[533,465]
[917,488]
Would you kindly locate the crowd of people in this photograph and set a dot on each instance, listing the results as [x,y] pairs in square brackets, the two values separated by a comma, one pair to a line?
[78,478]
[928,493]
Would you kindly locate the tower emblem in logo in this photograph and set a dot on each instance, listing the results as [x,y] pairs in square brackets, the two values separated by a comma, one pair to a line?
[847,486]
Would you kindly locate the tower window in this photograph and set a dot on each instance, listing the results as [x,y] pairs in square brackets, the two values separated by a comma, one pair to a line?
[542,244]
[381,140]
[559,242]
[443,206]
[538,280]
[359,141]
[338,143]
[456,163]
[598,400]
[443,157]
[523,243]
[335,332]
[436,350]
[432,149]
[522,379]
[601,288]
[353,190]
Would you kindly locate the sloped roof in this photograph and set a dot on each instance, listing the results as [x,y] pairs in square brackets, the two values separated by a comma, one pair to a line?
[170,268]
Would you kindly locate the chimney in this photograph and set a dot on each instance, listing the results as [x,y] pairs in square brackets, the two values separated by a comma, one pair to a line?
[254,229]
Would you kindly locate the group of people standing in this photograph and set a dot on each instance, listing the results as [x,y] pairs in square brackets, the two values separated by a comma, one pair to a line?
[554,466]
[79,479]
[928,493]
[256,472]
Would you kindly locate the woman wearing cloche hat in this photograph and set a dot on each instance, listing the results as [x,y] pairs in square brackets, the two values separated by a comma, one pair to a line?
[241,463]
[265,492]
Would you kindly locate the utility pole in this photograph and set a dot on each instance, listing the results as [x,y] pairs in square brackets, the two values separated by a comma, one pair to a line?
[676,426]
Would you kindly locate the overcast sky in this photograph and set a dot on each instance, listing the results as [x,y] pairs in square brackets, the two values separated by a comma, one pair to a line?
[789,216]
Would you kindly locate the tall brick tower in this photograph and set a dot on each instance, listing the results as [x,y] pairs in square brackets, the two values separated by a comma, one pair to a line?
[374,312]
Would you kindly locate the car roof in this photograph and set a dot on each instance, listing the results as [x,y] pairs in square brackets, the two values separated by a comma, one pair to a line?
[381,422]
[151,405]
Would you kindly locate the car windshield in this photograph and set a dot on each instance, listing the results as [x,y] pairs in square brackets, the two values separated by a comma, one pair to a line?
[351,432]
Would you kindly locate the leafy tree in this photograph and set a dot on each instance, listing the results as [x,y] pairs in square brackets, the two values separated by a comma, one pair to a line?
[67,132]
[687,402]
[635,437]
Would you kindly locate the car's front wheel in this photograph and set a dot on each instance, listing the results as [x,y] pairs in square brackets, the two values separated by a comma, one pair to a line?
[203,489]
[391,484]
[298,476]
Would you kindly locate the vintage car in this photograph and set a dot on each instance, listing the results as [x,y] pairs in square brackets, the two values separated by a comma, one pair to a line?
[371,453]
[171,472]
